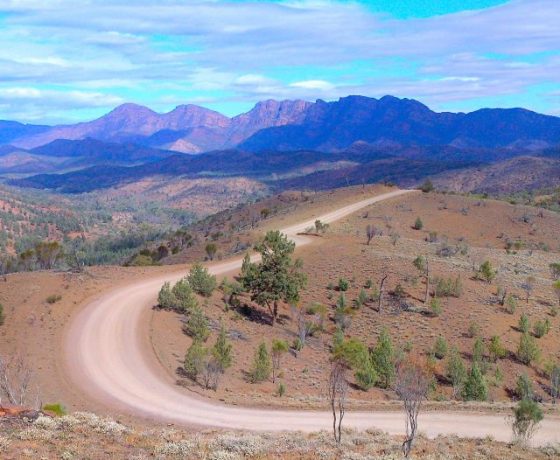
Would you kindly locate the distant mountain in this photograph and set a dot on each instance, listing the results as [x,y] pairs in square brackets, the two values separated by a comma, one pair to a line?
[12,130]
[330,126]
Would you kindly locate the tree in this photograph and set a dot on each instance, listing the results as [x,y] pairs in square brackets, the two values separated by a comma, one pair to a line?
[15,380]
[456,371]
[222,350]
[48,253]
[475,388]
[440,348]
[427,186]
[371,232]
[211,372]
[304,327]
[555,382]
[526,417]
[279,348]
[276,278]
[166,298]
[195,359]
[412,384]
[486,272]
[556,287]
[496,349]
[478,351]
[211,250]
[261,364]
[201,281]
[423,266]
[337,390]
[184,294]
[418,224]
[555,270]
[197,325]
[528,351]
[524,324]
[355,355]
[528,286]
[383,356]
[524,387]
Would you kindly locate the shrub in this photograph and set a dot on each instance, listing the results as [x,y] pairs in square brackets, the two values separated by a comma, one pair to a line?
[526,417]
[456,371]
[524,387]
[541,328]
[222,350]
[195,359]
[383,356]
[57,409]
[281,390]
[343,284]
[511,304]
[211,249]
[475,388]
[528,351]
[555,270]
[184,294]
[435,306]
[473,330]
[261,365]
[54,298]
[197,325]
[418,224]
[166,298]
[201,281]
[2,315]
[496,349]
[440,348]
[448,287]
[486,272]
[478,351]
[524,325]
[427,186]
[399,292]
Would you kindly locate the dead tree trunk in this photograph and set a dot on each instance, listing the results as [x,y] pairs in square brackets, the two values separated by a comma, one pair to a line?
[381,288]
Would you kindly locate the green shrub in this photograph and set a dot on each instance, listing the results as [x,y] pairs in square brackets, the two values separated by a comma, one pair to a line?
[486,272]
[54,298]
[281,390]
[58,409]
[343,284]
[440,348]
[197,325]
[448,287]
[184,294]
[541,328]
[524,387]
[2,315]
[195,359]
[528,351]
[511,304]
[526,417]
[201,281]
[524,325]
[473,330]
[435,306]
[496,349]
[418,224]
[262,365]
[475,388]
[166,298]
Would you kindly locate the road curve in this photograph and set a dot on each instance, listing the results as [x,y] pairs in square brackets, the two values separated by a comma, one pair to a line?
[107,359]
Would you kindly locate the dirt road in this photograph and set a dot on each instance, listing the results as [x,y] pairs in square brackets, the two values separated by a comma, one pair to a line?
[109,359]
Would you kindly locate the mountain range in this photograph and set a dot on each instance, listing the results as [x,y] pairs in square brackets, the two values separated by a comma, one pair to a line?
[355,139]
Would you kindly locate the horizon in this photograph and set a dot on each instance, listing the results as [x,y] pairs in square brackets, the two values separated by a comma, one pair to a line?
[73,61]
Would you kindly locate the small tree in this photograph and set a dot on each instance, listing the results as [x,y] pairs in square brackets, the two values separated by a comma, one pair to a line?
[197,325]
[440,348]
[478,351]
[528,286]
[526,418]
[556,287]
[475,388]
[261,364]
[222,350]
[555,382]
[277,278]
[456,371]
[555,270]
[511,304]
[166,298]
[524,387]
[418,224]
[195,359]
[371,232]
[486,272]
[427,186]
[412,384]
[201,281]
[528,351]
[211,250]
[423,266]
[184,294]
[383,356]
[524,324]
[279,349]
[337,390]
[496,349]
[15,380]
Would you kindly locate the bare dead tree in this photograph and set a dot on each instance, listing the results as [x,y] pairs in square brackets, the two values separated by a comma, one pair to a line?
[381,290]
[555,383]
[371,232]
[411,386]
[305,327]
[427,293]
[337,390]
[15,380]
[211,374]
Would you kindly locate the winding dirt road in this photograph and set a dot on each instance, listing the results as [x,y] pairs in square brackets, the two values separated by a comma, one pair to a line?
[109,360]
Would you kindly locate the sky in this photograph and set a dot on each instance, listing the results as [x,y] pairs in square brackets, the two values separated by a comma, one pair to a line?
[64,61]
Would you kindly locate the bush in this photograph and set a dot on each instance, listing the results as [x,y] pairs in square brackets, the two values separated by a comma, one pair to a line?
[511,304]
[524,387]
[496,349]
[473,330]
[184,294]
[427,186]
[2,315]
[383,357]
[195,359]
[201,281]
[435,306]
[343,284]
[281,391]
[475,388]
[57,409]
[526,417]
[448,287]
[486,272]
[197,325]
[222,350]
[54,298]
[366,375]
[211,250]
[166,298]
[541,328]
[418,224]
[524,325]
[261,365]
[528,351]
[440,348]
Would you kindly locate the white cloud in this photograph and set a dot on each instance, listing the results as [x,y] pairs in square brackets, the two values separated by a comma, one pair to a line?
[320,85]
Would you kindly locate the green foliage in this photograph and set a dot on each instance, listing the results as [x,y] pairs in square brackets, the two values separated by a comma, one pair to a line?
[418,224]
[166,298]
[201,281]
[197,325]
[524,324]
[474,329]
[195,359]
[343,284]
[261,365]
[399,291]
[486,272]
[2,315]
[211,249]
[435,306]
[366,375]
[383,356]
[281,390]
[511,304]
[276,278]
[524,387]
[440,348]
[184,295]
[555,270]
[222,350]
[475,387]
[528,351]
[556,288]
[526,417]
[279,349]
[54,298]
[448,287]
[361,299]
[427,186]
[355,355]
[496,349]
[455,371]
[420,263]
[57,408]
[478,351]
[541,328]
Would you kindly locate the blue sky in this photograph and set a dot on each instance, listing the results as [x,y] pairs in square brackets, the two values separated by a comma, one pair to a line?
[72,60]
